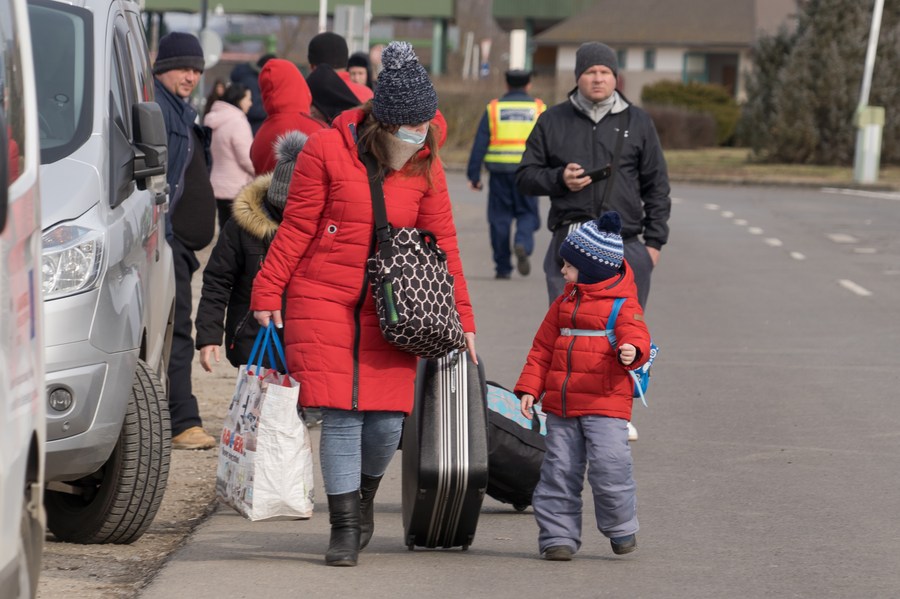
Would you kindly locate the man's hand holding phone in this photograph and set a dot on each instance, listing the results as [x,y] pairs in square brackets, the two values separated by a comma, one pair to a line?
[576,178]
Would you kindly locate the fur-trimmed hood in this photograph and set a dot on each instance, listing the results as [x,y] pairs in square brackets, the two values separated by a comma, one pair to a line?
[251,212]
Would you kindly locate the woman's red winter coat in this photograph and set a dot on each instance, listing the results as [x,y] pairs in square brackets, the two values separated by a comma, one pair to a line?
[334,346]
[581,375]
[287,100]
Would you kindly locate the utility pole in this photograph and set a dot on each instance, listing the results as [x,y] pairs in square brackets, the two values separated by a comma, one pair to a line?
[869,120]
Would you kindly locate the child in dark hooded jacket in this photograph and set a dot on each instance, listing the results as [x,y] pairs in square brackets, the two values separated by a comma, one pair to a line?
[238,255]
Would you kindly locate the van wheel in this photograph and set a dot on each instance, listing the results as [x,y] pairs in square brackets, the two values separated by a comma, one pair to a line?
[117,503]
[31,542]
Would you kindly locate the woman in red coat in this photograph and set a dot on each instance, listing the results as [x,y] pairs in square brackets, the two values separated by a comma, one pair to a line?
[334,345]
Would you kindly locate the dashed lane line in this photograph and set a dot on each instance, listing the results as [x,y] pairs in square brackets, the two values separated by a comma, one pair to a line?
[853,287]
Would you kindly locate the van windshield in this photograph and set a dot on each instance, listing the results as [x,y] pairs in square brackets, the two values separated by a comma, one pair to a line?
[63,66]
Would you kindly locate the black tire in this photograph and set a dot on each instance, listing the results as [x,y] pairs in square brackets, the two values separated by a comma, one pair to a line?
[121,499]
[31,544]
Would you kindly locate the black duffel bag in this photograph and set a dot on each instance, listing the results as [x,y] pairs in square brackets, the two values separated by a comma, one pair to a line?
[516,449]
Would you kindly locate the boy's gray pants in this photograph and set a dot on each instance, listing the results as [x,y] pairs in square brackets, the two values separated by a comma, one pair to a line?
[600,444]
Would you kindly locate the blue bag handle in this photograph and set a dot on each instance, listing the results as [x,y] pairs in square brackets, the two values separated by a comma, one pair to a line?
[279,350]
[257,344]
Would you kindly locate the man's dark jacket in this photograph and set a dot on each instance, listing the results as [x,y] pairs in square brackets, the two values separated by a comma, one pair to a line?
[180,118]
[564,134]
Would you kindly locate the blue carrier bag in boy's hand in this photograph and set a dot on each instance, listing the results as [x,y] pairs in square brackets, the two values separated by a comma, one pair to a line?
[641,376]
[516,448]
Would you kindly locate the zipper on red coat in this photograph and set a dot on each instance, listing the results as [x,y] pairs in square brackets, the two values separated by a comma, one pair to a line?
[569,355]
[357,333]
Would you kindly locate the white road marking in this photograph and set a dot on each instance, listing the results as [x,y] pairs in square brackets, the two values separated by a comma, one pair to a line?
[797,256]
[851,286]
[774,242]
[711,206]
[740,222]
[884,195]
[755,231]
[865,250]
[842,238]
[727,214]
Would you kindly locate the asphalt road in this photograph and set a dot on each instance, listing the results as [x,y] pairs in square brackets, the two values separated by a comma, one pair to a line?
[768,458]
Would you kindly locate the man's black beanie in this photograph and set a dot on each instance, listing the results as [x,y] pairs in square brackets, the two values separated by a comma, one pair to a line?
[328,48]
[178,51]
[594,53]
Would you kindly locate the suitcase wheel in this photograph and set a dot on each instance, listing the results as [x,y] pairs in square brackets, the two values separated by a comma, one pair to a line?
[465,547]
[411,546]
[520,507]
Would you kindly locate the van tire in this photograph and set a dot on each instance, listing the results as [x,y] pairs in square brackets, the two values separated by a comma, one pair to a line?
[122,498]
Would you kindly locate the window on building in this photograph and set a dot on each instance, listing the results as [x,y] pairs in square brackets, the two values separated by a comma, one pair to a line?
[650,59]
[621,56]
[695,68]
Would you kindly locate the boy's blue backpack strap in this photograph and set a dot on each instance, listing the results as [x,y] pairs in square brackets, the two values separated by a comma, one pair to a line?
[611,321]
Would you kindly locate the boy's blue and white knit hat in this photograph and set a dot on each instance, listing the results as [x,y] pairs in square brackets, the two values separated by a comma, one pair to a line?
[595,249]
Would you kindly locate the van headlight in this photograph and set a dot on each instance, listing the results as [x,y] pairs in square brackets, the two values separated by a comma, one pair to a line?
[72,257]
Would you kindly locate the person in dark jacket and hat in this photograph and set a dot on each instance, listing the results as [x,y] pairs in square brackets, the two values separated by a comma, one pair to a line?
[190,220]
[224,309]
[578,137]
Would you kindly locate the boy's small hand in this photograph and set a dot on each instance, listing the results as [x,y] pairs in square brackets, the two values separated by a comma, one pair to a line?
[527,403]
[627,352]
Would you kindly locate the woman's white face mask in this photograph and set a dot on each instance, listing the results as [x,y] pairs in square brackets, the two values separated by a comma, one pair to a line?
[411,136]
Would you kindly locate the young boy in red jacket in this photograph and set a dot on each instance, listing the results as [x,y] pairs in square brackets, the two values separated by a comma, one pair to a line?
[587,393]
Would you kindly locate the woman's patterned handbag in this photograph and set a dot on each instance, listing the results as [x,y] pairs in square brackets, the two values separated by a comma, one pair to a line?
[413,288]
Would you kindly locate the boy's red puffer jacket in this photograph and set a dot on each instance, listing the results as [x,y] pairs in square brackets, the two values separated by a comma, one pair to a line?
[582,375]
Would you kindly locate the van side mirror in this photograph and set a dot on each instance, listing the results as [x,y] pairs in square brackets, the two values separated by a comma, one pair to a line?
[4,174]
[151,154]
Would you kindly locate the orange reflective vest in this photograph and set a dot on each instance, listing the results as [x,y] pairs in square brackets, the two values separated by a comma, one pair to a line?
[511,122]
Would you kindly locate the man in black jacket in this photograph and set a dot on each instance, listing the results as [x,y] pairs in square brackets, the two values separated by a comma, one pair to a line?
[569,156]
[190,220]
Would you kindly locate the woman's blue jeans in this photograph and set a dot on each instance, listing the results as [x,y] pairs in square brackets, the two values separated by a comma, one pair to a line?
[355,443]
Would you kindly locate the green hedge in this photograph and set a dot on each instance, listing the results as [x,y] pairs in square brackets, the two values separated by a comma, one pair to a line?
[698,97]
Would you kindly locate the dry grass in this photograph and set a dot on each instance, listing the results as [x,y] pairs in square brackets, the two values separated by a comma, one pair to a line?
[733,164]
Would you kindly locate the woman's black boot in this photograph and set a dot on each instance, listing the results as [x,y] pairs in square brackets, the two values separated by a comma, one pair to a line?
[368,486]
[343,513]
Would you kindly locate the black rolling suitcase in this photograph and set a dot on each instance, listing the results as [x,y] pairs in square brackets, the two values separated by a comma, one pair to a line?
[445,461]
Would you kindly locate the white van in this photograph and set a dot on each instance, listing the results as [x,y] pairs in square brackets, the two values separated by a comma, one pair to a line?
[21,314]
[107,270]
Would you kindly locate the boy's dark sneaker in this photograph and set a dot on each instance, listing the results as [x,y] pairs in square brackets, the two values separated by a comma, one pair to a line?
[557,553]
[623,545]
[522,263]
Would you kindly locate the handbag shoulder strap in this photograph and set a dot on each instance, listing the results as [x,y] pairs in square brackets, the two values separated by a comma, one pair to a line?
[382,227]
[614,165]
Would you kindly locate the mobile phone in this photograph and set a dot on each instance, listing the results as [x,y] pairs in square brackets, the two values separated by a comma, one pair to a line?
[599,174]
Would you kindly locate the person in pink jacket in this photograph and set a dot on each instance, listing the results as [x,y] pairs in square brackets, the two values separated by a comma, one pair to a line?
[317,264]
[232,137]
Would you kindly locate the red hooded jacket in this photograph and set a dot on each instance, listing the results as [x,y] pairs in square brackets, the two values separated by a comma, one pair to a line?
[287,101]
[334,346]
[581,375]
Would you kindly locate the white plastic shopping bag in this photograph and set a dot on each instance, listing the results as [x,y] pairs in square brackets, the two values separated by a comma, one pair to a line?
[265,465]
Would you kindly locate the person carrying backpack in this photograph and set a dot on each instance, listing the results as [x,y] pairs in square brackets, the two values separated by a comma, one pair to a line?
[587,393]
